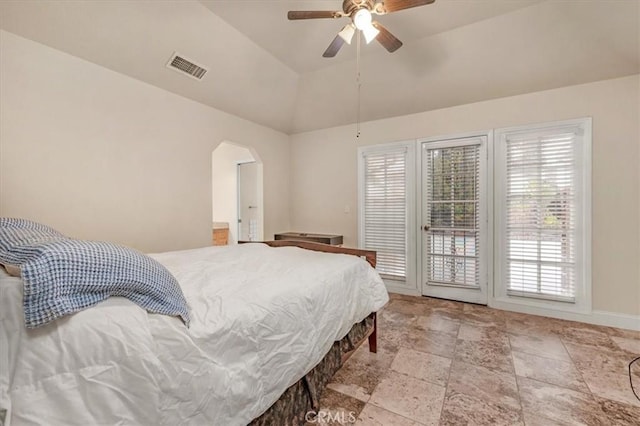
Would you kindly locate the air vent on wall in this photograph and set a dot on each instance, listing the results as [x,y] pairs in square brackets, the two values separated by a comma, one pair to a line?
[186,66]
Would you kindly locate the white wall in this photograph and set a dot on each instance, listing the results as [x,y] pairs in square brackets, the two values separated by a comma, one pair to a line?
[100,155]
[324,170]
[225,161]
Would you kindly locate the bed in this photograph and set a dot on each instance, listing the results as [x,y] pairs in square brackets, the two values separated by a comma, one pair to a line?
[268,327]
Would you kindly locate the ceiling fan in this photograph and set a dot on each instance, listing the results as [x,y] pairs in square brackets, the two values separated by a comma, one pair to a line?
[360,11]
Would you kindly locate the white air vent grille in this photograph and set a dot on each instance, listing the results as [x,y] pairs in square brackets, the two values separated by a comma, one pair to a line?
[186,66]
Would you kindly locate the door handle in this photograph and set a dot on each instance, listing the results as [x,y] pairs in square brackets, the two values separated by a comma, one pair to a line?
[426,228]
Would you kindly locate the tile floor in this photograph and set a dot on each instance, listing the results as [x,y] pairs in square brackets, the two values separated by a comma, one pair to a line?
[448,363]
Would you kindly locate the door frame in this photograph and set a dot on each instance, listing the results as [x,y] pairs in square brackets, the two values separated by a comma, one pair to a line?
[485,294]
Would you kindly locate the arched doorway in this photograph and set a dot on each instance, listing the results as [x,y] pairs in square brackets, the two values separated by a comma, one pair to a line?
[237,192]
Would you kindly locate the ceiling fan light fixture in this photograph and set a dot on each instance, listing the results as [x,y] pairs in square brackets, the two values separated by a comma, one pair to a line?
[360,13]
[370,33]
[347,33]
[362,19]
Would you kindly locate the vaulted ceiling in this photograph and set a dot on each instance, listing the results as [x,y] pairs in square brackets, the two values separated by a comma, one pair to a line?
[271,71]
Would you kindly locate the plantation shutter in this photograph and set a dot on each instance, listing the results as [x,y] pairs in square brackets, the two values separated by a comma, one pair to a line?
[385,210]
[542,178]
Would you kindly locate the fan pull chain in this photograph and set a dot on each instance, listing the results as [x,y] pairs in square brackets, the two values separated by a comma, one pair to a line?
[358,84]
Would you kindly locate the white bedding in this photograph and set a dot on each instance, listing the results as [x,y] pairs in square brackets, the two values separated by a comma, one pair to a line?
[260,319]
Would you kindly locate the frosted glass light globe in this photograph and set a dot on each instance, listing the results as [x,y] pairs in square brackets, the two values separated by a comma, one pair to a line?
[362,19]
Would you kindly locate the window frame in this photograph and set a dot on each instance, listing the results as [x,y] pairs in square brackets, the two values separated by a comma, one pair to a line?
[409,285]
[582,302]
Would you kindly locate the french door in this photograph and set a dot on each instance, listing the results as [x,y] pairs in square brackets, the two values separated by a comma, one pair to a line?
[453,194]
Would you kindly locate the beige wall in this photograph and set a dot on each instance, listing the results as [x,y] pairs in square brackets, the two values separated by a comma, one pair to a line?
[100,155]
[324,171]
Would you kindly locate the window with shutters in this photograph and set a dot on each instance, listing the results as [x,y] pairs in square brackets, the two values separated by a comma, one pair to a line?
[542,209]
[384,206]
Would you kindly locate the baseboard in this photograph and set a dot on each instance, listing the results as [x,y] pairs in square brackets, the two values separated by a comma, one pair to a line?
[609,319]
[613,319]
[400,289]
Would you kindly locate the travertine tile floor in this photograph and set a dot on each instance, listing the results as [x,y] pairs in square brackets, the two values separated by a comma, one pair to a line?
[448,363]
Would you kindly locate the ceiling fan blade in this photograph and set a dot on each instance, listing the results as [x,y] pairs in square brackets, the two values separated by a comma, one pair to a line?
[334,47]
[388,6]
[388,40]
[313,14]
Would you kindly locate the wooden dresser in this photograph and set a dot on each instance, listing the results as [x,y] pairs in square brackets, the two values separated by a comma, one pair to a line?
[220,233]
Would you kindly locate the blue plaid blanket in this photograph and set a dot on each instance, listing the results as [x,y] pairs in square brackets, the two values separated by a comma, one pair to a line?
[63,275]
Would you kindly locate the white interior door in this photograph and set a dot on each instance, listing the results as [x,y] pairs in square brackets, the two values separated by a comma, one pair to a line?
[454,219]
[248,202]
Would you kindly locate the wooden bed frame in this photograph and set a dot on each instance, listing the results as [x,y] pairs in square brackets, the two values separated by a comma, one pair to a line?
[368,255]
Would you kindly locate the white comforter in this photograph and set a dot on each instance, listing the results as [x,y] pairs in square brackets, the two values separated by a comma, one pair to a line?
[260,319]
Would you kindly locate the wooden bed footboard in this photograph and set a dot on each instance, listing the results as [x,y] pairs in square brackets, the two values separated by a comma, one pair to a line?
[369,255]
